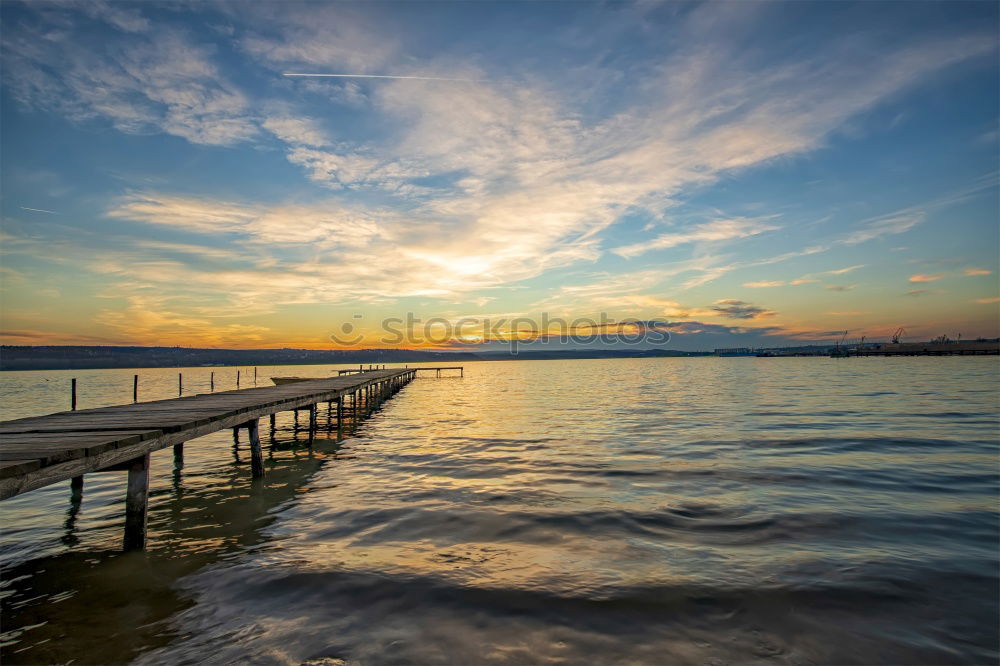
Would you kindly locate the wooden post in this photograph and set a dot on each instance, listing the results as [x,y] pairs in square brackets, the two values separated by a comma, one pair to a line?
[72,389]
[76,487]
[179,455]
[137,503]
[135,388]
[236,436]
[180,384]
[211,382]
[256,459]
[340,417]
[312,423]
[255,375]
[237,379]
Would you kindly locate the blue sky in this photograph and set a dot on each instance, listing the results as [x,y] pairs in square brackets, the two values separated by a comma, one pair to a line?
[754,173]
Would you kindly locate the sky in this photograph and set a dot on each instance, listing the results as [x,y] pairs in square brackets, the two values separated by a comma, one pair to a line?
[743,174]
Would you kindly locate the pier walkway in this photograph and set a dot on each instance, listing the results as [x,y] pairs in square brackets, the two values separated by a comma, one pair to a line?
[42,450]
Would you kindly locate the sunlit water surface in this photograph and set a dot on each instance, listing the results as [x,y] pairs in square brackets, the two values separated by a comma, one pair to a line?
[670,511]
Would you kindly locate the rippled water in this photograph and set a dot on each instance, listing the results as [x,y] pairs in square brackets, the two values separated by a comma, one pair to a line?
[668,511]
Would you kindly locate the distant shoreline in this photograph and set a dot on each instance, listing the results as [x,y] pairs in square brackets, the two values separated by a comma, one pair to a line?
[69,357]
[103,358]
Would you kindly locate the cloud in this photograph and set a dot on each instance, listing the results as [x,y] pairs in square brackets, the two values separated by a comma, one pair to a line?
[124,18]
[764,284]
[976,271]
[296,131]
[988,301]
[885,226]
[192,214]
[717,230]
[465,188]
[842,271]
[922,292]
[925,278]
[840,287]
[148,81]
[329,225]
[733,309]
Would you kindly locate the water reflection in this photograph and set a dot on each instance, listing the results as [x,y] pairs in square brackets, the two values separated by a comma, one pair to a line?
[702,511]
[50,605]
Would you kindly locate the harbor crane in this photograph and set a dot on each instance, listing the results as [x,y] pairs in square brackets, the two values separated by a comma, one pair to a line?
[897,335]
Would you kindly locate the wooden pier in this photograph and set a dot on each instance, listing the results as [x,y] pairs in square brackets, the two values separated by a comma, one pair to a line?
[437,370]
[42,450]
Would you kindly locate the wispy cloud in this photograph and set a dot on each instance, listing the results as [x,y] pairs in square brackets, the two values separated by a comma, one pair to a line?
[840,287]
[734,309]
[977,271]
[39,210]
[842,271]
[717,230]
[925,278]
[377,76]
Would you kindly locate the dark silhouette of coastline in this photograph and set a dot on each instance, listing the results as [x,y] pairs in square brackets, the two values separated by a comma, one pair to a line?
[94,357]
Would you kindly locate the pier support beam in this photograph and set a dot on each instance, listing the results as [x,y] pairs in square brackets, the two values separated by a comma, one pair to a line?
[179,455]
[137,503]
[76,486]
[256,457]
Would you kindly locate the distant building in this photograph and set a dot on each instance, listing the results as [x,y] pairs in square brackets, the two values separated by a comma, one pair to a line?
[735,351]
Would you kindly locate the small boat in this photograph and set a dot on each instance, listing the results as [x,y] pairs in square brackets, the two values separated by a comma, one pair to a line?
[291,380]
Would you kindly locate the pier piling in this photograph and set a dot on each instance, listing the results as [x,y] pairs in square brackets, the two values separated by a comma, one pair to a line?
[137,503]
[256,458]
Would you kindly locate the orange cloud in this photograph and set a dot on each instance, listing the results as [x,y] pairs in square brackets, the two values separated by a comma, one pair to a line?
[925,278]
[977,271]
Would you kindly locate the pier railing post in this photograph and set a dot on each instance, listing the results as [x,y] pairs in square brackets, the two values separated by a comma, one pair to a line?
[137,503]
[256,457]
[135,388]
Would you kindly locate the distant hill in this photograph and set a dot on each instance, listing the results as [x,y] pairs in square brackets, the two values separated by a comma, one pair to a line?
[86,357]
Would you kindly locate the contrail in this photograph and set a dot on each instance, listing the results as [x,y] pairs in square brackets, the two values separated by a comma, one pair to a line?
[40,210]
[378,76]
